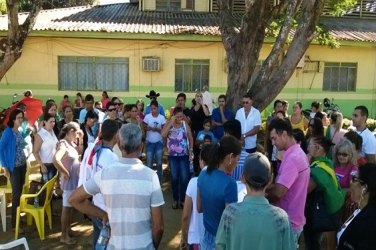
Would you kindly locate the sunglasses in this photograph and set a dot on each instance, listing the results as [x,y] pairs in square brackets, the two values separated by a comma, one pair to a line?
[110,110]
[116,104]
[342,154]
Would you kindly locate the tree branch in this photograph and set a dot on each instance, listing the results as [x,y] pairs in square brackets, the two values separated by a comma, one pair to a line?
[311,10]
[277,50]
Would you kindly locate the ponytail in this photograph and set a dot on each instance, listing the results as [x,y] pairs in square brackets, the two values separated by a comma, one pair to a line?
[218,152]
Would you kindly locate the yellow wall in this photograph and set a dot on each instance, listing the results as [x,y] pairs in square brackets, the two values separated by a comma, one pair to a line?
[37,69]
[148,4]
[39,62]
[201,5]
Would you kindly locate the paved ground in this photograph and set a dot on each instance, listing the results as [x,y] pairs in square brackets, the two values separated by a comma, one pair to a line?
[170,240]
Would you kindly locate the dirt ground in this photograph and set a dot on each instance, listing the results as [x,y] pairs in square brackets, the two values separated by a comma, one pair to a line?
[170,240]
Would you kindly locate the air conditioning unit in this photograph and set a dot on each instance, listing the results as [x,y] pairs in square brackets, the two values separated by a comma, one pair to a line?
[151,63]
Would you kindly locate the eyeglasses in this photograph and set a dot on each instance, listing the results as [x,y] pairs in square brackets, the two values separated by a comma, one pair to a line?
[116,103]
[355,178]
[245,102]
[342,154]
[110,110]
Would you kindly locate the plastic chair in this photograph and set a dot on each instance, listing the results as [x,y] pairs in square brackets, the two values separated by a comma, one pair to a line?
[7,189]
[15,243]
[37,212]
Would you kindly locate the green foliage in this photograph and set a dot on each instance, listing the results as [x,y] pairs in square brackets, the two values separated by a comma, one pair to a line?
[339,7]
[324,38]
[335,7]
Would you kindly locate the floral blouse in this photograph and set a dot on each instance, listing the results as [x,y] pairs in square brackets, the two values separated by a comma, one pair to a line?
[177,141]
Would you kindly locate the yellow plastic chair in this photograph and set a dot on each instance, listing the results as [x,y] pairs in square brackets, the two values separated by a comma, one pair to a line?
[37,212]
[7,189]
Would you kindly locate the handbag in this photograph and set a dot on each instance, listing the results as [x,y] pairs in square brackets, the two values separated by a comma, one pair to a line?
[34,188]
[317,217]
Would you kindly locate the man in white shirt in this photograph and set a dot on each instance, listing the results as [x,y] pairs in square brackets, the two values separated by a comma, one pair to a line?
[96,157]
[250,120]
[359,119]
[207,98]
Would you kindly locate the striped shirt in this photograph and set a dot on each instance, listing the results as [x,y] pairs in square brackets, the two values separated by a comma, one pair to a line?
[129,190]
[238,171]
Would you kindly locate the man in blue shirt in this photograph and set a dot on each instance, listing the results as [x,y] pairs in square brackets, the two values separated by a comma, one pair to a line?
[89,105]
[219,116]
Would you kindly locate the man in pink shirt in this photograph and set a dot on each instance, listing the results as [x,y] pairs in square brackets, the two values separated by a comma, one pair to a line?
[289,191]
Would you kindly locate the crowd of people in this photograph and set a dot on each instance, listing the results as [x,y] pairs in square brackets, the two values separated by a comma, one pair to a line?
[310,178]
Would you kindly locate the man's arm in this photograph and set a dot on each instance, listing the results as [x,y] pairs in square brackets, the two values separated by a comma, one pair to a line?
[253,131]
[276,192]
[157,225]
[79,200]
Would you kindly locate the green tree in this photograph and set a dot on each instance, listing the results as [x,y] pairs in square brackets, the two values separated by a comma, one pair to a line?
[264,18]
[11,45]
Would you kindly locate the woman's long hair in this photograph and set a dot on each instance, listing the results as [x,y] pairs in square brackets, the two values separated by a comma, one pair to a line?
[218,152]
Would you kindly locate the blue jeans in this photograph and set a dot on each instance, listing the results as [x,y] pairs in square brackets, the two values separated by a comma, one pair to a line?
[179,166]
[97,227]
[155,150]
[51,172]
[297,232]
[207,242]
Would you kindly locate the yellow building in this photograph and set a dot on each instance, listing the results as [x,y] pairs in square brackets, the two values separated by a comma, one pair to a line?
[130,48]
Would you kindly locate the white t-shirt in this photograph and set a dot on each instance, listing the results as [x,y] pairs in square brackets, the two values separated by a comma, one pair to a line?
[369,142]
[253,119]
[207,99]
[154,122]
[48,147]
[196,224]
[106,158]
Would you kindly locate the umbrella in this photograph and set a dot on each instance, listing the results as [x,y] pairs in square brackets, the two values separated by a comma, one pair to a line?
[31,106]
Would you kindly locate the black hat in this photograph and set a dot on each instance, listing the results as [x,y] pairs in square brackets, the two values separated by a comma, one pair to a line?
[152,94]
[256,170]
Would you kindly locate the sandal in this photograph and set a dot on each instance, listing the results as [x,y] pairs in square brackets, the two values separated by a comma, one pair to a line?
[68,242]
[175,205]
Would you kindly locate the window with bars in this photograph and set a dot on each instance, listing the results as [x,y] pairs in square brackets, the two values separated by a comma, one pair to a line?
[168,5]
[339,77]
[191,75]
[93,73]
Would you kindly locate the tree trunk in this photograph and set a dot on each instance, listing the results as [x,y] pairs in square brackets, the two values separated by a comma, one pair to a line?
[11,46]
[243,44]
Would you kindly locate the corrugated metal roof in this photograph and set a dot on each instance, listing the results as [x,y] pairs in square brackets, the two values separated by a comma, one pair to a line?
[351,29]
[127,18]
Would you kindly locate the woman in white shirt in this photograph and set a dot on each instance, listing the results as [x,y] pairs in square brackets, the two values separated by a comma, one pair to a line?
[45,142]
